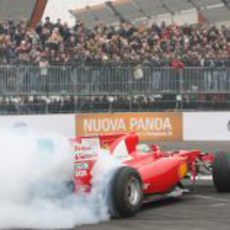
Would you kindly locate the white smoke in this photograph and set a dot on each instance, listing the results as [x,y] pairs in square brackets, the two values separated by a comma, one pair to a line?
[32,195]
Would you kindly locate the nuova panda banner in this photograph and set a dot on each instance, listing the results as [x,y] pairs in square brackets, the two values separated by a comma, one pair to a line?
[149,126]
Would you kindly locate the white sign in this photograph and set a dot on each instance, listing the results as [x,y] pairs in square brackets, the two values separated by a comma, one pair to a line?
[57,123]
[206,126]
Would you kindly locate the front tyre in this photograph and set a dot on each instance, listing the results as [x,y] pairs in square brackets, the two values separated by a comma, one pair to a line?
[221,172]
[126,192]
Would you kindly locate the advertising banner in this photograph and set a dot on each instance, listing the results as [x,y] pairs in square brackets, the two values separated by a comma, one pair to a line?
[209,126]
[57,123]
[149,126]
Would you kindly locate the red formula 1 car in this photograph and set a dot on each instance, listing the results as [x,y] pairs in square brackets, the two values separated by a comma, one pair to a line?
[145,171]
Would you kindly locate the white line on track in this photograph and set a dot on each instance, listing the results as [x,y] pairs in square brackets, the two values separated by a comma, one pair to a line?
[217,205]
[211,198]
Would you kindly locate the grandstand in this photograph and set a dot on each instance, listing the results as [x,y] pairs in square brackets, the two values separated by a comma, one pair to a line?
[212,11]
[116,57]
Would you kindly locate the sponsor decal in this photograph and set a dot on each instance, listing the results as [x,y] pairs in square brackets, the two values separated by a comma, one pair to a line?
[182,170]
[81,148]
[105,146]
[84,152]
[149,126]
[81,166]
[146,186]
[81,173]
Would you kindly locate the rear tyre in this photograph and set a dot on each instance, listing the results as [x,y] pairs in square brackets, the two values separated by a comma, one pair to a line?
[126,193]
[221,172]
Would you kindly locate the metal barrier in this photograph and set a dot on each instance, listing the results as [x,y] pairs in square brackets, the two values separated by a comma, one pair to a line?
[111,80]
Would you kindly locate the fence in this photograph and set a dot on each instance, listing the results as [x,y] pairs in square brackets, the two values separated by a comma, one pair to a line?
[111,79]
[112,88]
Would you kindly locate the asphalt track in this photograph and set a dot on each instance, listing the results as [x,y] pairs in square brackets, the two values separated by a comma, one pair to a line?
[202,209]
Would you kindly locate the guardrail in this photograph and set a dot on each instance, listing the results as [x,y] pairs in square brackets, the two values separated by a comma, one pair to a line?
[111,80]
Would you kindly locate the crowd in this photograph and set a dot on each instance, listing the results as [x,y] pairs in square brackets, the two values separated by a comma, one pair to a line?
[150,103]
[57,43]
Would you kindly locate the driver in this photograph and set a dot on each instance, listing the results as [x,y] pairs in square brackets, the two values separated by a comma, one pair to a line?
[144,148]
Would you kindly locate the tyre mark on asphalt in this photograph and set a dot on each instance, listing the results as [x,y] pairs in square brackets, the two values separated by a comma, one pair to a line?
[211,198]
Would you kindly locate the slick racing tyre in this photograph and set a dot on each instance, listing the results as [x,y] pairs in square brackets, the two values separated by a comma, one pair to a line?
[221,172]
[126,193]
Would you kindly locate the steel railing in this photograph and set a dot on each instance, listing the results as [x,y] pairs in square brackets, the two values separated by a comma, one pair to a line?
[111,80]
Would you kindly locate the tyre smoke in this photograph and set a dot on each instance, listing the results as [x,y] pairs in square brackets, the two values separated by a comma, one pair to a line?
[35,170]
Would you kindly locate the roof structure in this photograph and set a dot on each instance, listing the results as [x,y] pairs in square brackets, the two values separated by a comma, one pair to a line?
[119,10]
[29,10]
[16,9]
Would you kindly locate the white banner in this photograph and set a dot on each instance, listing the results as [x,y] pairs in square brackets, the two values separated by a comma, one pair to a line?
[206,126]
[57,123]
[197,126]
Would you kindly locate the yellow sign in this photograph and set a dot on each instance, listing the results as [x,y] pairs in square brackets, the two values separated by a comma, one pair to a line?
[149,126]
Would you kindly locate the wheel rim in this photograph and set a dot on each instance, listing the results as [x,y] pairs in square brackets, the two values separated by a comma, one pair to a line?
[133,191]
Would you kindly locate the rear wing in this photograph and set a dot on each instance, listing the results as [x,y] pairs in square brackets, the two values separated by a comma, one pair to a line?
[101,140]
[84,145]
[119,145]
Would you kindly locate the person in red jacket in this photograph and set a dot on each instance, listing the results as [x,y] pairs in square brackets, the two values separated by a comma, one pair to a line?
[177,64]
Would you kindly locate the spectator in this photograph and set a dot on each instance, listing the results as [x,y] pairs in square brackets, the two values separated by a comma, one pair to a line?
[55,39]
[193,45]
[43,64]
